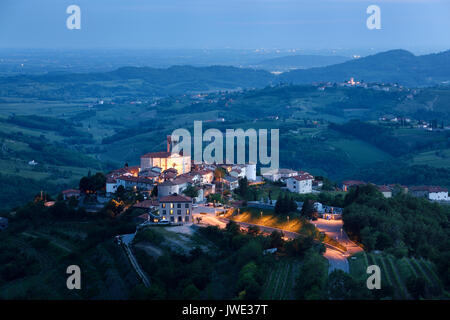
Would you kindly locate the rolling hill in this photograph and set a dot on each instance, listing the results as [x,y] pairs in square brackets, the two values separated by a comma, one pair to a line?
[398,66]
[391,66]
[146,80]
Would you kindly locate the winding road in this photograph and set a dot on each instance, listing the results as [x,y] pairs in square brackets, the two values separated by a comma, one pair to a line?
[336,257]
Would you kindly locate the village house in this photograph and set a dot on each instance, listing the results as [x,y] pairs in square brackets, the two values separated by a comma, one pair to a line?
[111,186]
[386,191]
[71,193]
[134,183]
[279,174]
[170,173]
[150,173]
[300,183]
[149,205]
[346,185]
[317,184]
[126,171]
[166,160]
[208,189]
[176,208]
[207,175]
[177,185]
[237,172]
[430,192]
[230,182]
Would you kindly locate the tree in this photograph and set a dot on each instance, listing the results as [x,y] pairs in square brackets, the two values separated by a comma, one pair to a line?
[92,183]
[243,189]
[232,228]
[154,192]
[276,239]
[248,285]
[280,207]
[342,286]
[219,173]
[191,292]
[416,287]
[285,204]
[191,191]
[299,246]
[120,192]
[308,209]
[253,230]
[310,284]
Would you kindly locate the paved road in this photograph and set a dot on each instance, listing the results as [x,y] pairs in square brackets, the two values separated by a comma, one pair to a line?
[334,229]
[336,258]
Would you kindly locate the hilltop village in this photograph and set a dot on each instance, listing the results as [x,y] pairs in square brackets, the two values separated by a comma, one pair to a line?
[172,186]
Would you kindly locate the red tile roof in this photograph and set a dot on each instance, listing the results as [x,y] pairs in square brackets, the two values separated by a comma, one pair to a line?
[384,188]
[428,188]
[147,204]
[160,154]
[303,176]
[135,179]
[353,182]
[71,191]
[175,198]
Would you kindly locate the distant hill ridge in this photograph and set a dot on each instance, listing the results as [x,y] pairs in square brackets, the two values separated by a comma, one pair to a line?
[399,66]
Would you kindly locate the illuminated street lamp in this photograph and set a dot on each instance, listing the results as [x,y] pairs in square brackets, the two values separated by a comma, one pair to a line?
[288,218]
[261,214]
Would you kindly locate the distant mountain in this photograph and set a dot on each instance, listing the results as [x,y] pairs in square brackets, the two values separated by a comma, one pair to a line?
[399,66]
[298,62]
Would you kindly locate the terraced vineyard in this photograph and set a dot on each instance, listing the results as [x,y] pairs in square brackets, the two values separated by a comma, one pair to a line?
[397,272]
[281,280]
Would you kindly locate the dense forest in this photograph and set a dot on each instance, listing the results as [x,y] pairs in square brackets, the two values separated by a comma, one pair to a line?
[401,225]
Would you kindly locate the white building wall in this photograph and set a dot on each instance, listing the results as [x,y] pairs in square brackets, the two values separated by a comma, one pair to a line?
[250,171]
[167,190]
[303,186]
[440,196]
[170,212]
[111,187]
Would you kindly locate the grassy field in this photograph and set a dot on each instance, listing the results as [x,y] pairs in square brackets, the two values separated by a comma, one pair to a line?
[439,159]
[360,152]
[253,215]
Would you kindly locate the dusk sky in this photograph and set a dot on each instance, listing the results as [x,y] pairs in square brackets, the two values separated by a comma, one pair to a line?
[215,24]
